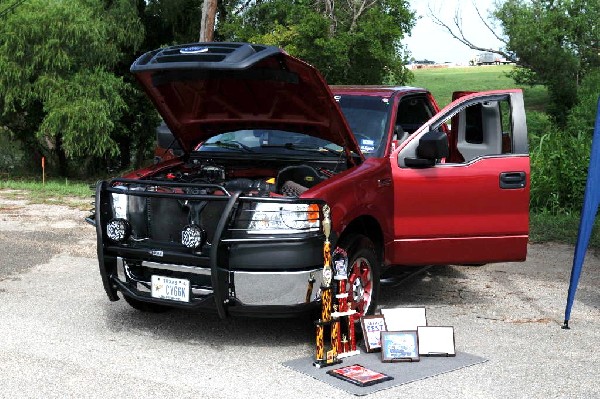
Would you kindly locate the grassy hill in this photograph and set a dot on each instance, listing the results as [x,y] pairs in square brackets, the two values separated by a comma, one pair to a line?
[443,81]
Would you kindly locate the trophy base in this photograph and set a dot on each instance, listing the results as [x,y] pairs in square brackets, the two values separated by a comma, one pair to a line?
[324,363]
[348,354]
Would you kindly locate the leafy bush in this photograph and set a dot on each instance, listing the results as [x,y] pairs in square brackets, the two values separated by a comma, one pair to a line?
[560,158]
[11,155]
[558,171]
[538,124]
[582,117]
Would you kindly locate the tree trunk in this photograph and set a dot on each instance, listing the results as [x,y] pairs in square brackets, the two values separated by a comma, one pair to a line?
[329,13]
[207,21]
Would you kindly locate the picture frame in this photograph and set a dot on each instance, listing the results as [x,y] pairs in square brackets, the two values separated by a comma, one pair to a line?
[372,326]
[436,341]
[399,346]
[404,318]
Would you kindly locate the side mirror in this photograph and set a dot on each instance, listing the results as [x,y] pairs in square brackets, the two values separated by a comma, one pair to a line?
[398,131]
[433,145]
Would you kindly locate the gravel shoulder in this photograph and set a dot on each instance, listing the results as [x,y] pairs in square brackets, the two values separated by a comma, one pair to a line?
[61,337]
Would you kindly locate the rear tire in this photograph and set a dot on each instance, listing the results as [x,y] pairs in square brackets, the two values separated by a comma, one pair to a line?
[145,306]
[363,274]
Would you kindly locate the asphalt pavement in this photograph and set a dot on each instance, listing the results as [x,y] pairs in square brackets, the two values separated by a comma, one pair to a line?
[61,337]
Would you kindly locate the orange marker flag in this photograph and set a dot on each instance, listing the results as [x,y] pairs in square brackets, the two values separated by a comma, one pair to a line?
[44,170]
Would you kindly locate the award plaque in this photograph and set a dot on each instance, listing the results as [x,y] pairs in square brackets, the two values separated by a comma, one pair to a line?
[359,375]
[436,341]
[372,326]
[404,319]
[399,346]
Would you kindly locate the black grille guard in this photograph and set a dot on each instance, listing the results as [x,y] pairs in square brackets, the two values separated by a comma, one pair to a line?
[219,275]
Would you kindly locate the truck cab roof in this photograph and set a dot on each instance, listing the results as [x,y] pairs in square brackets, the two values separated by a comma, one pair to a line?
[375,90]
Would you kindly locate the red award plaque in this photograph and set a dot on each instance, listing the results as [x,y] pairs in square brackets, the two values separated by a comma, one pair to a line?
[359,375]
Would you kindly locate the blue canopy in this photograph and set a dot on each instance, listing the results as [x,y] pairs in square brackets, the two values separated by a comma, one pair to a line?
[591,201]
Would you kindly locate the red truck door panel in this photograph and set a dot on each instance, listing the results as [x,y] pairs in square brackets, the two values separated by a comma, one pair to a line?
[473,206]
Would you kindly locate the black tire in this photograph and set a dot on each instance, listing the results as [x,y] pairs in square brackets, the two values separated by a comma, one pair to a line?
[145,306]
[363,273]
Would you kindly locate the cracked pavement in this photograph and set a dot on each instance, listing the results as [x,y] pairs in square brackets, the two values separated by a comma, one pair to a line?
[61,337]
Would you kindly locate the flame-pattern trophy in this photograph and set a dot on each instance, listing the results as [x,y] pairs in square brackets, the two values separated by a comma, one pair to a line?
[344,313]
[327,357]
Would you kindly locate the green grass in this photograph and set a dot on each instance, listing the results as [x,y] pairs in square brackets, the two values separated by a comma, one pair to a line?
[59,192]
[546,227]
[442,82]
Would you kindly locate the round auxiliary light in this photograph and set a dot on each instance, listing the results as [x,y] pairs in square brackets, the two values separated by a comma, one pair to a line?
[118,230]
[193,236]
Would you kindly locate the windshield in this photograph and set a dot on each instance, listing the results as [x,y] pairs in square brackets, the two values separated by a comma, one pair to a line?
[266,141]
[368,118]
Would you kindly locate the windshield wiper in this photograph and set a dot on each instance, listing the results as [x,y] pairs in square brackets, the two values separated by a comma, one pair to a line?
[230,144]
[292,146]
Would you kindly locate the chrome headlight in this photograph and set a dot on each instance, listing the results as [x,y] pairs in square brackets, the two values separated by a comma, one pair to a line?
[119,204]
[284,218]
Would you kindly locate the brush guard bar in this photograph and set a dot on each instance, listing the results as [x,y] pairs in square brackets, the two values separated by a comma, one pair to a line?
[220,272]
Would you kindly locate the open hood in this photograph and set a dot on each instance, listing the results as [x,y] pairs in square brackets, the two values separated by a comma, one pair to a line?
[204,89]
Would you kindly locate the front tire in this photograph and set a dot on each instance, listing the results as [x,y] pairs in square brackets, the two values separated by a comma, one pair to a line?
[363,274]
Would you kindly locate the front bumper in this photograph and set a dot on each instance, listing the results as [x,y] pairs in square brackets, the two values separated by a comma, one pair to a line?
[250,293]
[270,276]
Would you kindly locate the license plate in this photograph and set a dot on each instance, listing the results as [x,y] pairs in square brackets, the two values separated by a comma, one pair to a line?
[174,289]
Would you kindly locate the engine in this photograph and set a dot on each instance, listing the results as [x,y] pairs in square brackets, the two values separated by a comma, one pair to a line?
[289,181]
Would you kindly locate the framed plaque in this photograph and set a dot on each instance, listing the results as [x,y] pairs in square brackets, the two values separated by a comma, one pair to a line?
[372,326]
[404,319]
[399,346]
[359,375]
[436,341]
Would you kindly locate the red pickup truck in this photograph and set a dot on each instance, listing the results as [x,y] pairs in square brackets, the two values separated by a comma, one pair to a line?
[235,223]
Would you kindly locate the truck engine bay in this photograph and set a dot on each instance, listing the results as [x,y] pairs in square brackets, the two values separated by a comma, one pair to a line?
[264,180]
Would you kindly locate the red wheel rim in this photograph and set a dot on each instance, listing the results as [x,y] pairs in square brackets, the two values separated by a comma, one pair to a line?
[360,285]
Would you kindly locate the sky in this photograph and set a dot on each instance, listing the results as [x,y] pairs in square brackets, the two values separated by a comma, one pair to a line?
[432,42]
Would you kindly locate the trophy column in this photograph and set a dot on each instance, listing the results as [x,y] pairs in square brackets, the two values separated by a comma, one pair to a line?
[326,356]
[344,314]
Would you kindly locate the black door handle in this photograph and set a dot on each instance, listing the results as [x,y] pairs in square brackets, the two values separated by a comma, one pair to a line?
[512,180]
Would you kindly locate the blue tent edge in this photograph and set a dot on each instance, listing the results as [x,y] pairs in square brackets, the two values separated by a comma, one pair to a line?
[591,201]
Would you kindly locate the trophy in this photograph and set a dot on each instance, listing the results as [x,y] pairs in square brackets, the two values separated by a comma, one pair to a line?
[344,313]
[327,356]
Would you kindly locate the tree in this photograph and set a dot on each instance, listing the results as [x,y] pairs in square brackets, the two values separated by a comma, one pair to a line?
[560,157]
[354,42]
[171,21]
[58,94]
[555,43]
[456,30]
[349,41]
